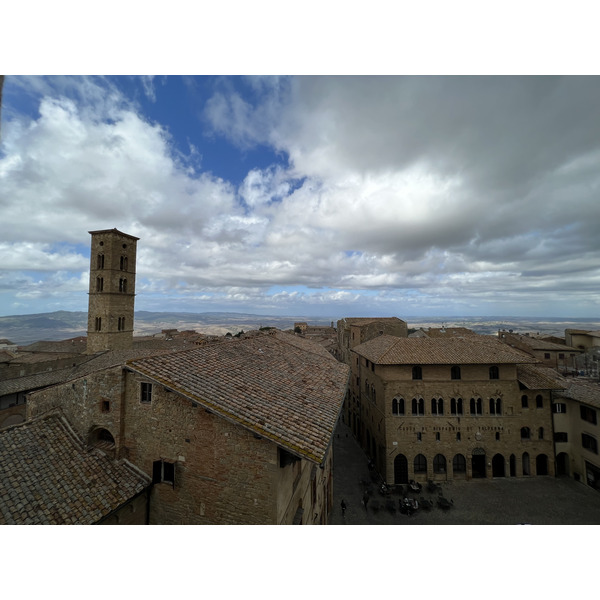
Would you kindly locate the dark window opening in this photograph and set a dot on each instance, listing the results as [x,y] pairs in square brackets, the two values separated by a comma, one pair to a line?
[588,414]
[539,401]
[146,392]
[98,324]
[524,401]
[437,406]
[99,284]
[417,373]
[420,464]
[455,372]
[559,407]
[123,285]
[589,443]
[163,472]
[561,436]
[525,433]
[100,261]
[123,263]
[105,405]
[494,372]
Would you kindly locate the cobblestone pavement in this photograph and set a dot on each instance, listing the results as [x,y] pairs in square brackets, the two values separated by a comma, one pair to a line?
[501,501]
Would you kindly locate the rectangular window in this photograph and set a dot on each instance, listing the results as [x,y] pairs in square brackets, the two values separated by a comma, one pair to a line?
[559,407]
[146,392]
[589,443]
[561,436]
[588,414]
[546,355]
[163,472]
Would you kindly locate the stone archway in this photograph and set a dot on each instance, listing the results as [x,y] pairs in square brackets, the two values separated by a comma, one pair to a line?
[400,469]
[478,465]
[498,465]
[541,464]
[103,440]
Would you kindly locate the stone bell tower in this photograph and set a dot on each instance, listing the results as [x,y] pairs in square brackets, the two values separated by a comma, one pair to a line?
[112,291]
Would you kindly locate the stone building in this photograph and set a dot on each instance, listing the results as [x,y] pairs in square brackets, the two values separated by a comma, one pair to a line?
[448,408]
[577,430]
[235,432]
[354,331]
[560,357]
[582,339]
[111,290]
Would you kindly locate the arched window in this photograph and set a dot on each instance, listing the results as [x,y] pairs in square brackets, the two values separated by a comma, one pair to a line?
[398,406]
[420,464]
[100,261]
[418,406]
[459,464]
[459,406]
[525,433]
[123,264]
[98,324]
[99,284]
[495,406]
[494,372]
[472,406]
[455,372]
[123,285]
[437,406]
[539,401]
[540,433]
[417,373]
[476,406]
[479,406]
[439,463]
[524,401]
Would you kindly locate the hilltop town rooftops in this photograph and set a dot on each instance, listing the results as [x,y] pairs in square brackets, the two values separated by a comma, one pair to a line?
[390,350]
[367,320]
[279,386]
[538,343]
[49,478]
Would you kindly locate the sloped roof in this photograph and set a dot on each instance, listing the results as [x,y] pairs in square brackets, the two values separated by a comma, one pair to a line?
[47,477]
[535,377]
[282,387]
[474,350]
[582,390]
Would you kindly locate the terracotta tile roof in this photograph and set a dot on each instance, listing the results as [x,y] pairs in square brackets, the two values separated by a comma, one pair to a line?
[367,320]
[474,350]
[46,477]
[582,390]
[541,344]
[281,387]
[535,377]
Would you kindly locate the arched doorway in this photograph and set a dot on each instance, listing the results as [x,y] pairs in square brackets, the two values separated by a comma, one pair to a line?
[478,467]
[103,440]
[526,463]
[562,464]
[541,464]
[513,465]
[400,469]
[459,466]
[498,466]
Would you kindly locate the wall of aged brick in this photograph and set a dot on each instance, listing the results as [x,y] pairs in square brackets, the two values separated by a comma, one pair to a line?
[83,402]
[135,512]
[385,435]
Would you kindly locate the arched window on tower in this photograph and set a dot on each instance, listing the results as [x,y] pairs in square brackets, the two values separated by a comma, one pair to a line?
[123,285]
[123,263]
[99,284]
[98,324]
[100,261]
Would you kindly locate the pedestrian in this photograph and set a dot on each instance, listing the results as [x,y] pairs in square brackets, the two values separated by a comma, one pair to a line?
[343,505]
[365,499]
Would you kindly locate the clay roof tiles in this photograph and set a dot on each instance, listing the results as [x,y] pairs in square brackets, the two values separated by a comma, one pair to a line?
[535,377]
[47,477]
[279,386]
[390,350]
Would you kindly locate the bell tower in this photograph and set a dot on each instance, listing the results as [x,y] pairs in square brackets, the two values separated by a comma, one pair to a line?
[112,291]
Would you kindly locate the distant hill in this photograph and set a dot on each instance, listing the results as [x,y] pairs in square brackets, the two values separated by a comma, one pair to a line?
[60,325]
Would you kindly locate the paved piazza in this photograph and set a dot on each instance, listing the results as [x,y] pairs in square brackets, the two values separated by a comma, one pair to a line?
[501,501]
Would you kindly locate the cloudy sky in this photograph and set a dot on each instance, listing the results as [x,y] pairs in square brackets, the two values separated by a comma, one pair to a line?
[307,195]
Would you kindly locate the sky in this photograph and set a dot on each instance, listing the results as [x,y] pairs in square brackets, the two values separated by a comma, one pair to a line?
[325,195]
